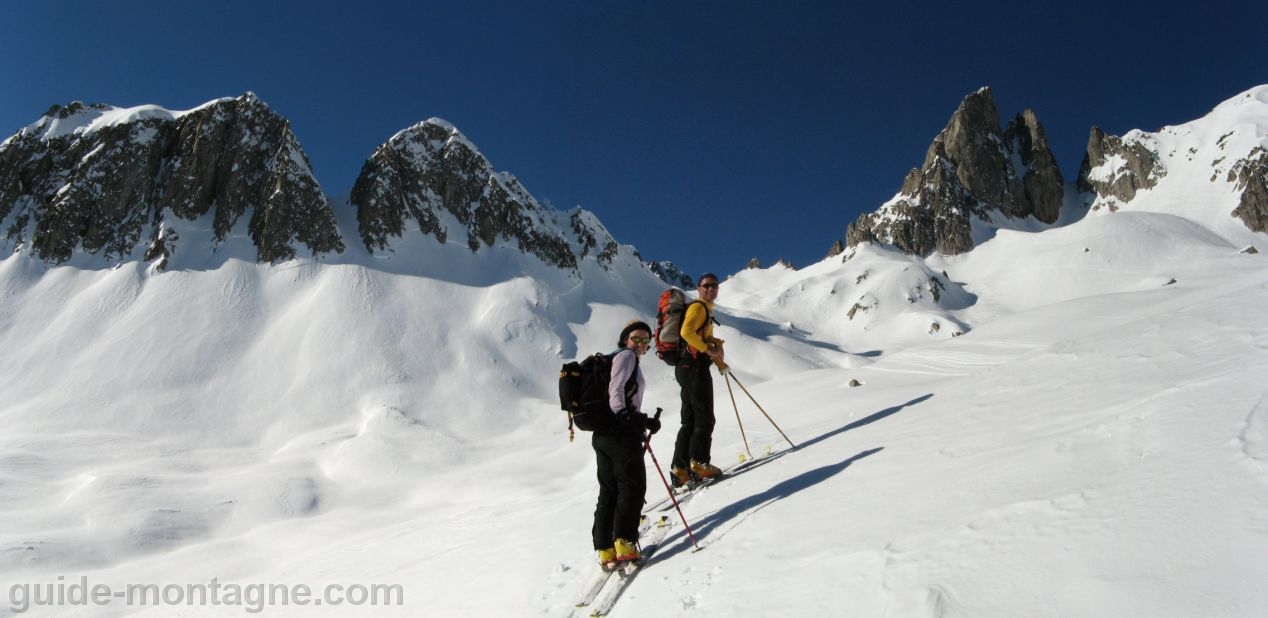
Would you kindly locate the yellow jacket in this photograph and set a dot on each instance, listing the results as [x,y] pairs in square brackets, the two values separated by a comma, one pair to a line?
[697,328]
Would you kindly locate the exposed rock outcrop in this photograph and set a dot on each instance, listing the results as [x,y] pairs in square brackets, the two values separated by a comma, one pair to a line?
[1114,168]
[837,248]
[672,274]
[1250,177]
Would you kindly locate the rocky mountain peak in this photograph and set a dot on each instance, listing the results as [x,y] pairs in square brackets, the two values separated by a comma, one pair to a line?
[432,176]
[119,184]
[122,182]
[973,170]
[75,107]
[673,275]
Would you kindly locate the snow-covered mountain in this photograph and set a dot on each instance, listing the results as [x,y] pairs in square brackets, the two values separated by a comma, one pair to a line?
[1068,419]
[433,178]
[103,185]
[1213,170]
[978,178]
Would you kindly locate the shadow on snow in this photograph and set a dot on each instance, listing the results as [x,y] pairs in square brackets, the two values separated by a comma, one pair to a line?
[710,525]
[887,412]
[745,507]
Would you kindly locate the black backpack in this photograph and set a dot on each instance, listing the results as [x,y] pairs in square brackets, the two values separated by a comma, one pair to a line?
[583,392]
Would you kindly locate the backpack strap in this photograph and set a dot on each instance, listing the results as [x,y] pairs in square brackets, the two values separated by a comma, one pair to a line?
[565,371]
[631,385]
[708,317]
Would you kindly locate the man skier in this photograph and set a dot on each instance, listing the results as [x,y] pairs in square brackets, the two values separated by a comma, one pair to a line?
[695,437]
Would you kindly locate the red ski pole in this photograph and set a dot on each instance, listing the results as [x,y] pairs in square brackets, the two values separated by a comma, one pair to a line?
[648,445]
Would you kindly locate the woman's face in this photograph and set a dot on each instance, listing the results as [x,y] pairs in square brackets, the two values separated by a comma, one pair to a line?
[639,341]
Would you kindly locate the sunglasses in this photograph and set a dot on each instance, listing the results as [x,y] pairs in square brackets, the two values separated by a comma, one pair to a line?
[709,286]
[641,340]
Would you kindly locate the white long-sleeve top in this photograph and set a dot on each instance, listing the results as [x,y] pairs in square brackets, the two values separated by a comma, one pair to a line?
[625,364]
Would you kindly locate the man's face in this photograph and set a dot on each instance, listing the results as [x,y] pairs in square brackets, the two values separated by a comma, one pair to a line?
[708,289]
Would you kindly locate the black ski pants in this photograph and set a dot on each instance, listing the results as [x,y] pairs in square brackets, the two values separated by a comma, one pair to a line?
[695,436]
[622,486]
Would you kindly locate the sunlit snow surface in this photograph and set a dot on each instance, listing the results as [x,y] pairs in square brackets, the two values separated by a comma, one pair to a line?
[1094,443]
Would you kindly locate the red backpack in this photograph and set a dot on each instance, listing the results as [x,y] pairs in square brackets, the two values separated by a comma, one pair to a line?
[670,312]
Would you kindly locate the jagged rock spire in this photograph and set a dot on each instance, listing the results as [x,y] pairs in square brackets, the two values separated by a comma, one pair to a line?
[972,169]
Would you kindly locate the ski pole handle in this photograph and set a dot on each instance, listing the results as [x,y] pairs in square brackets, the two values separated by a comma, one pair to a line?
[647,437]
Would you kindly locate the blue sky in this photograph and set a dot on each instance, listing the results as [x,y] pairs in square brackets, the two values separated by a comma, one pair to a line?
[761,128]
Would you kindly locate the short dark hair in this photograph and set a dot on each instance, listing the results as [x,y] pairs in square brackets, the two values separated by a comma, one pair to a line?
[629,328]
[706,276]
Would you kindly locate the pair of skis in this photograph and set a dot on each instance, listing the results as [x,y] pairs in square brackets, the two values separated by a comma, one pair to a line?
[611,583]
[652,537]
[685,492]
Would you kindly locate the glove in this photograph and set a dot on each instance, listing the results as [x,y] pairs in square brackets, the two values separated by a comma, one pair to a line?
[631,420]
[652,424]
[639,422]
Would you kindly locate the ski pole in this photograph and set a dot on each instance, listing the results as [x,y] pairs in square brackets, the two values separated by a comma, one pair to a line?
[648,445]
[727,375]
[759,407]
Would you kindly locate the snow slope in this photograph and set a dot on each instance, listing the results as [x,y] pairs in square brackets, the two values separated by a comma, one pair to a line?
[1196,158]
[1094,443]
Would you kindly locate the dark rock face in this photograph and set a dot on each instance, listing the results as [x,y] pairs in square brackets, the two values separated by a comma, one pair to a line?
[1250,176]
[1136,167]
[103,189]
[430,174]
[971,169]
[671,274]
[1043,188]
[94,193]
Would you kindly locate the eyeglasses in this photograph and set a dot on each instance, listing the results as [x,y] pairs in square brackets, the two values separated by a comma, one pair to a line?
[641,340]
[708,286]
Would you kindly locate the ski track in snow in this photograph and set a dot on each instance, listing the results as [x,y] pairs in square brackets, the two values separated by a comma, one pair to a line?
[952,360]
[1253,438]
